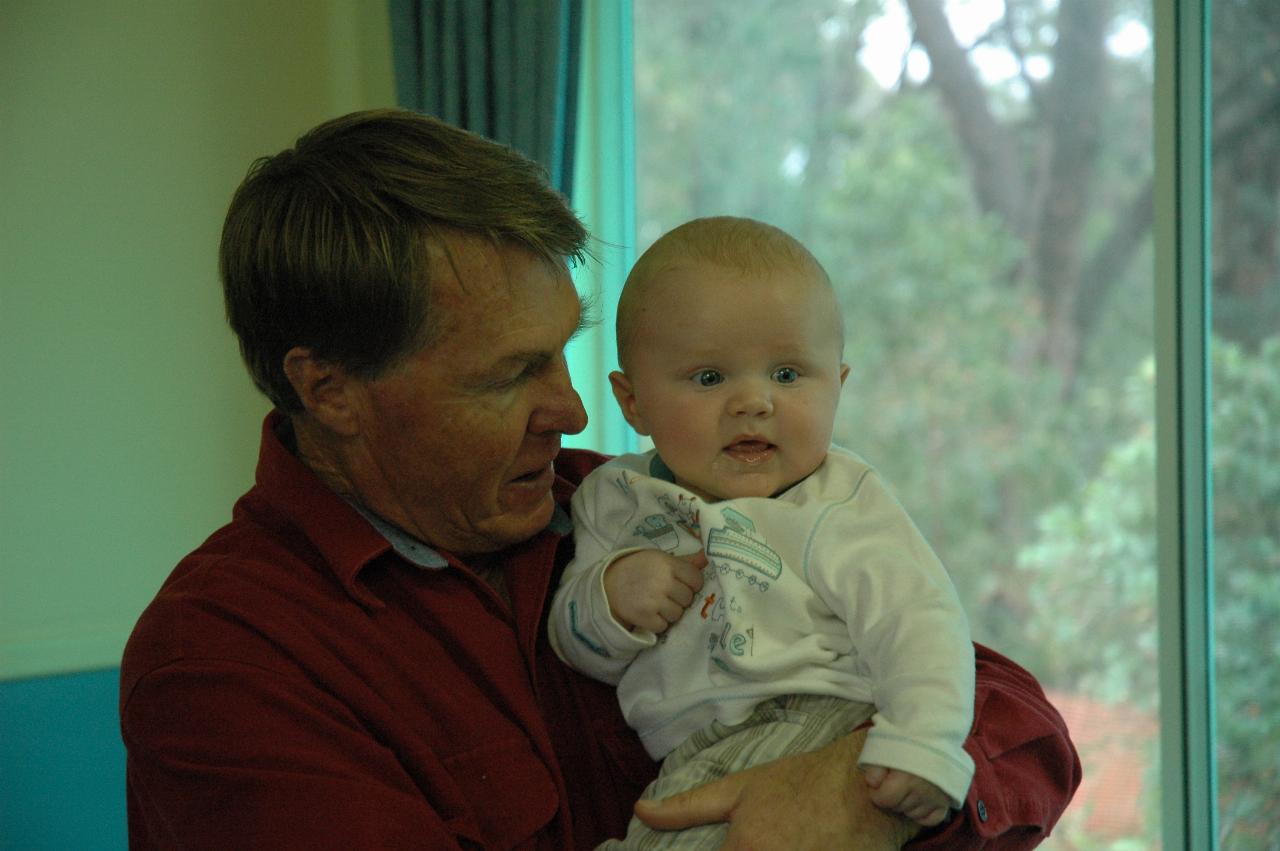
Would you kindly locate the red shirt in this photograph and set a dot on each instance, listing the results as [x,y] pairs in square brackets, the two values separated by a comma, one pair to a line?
[297,683]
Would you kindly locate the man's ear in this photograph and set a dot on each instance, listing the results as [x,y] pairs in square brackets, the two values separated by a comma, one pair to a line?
[325,389]
[844,373]
[626,396]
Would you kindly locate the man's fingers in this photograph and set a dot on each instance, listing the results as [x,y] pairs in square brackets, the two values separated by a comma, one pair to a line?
[707,804]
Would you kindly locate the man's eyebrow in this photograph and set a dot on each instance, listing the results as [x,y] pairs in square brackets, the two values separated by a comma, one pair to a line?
[588,318]
[588,315]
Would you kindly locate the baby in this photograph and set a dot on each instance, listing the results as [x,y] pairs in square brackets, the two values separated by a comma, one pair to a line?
[751,590]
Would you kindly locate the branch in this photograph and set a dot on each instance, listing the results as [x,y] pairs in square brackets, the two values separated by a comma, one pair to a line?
[1257,115]
[1011,37]
[1107,266]
[1105,270]
[997,180]
[1073,110]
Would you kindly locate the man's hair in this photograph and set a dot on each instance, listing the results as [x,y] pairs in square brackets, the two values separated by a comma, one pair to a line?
[743,245]
[328,244]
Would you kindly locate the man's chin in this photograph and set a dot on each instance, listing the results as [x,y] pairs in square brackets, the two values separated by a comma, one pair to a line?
[520,523]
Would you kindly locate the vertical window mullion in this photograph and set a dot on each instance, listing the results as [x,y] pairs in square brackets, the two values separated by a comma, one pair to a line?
[1182,396]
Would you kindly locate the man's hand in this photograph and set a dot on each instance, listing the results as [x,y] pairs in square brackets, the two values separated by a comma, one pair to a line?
[809,802]
[651,589]
[905,793]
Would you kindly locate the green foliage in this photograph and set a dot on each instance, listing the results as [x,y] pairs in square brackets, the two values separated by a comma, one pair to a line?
[734,100]
[939,396]
[760,108]
[1095,559]
[1246,468]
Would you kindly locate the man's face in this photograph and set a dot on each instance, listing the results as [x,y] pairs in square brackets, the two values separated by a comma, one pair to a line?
[736,377]
[456,444]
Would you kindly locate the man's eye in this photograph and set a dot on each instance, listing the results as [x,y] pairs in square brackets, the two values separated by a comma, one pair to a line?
[786,375]
[509,380]
[707,377]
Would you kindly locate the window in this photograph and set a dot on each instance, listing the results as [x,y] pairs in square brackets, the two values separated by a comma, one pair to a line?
[979,178]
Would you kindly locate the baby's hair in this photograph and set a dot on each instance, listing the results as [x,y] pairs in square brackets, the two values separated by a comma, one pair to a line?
[730,242]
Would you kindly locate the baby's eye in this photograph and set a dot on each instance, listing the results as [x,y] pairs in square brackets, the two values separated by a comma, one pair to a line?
[707,377]
[786,375]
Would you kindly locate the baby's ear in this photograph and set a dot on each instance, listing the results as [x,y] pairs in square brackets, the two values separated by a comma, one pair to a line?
[626,396]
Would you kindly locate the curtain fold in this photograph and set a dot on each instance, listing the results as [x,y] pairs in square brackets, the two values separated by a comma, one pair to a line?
[507,69]
[605,196]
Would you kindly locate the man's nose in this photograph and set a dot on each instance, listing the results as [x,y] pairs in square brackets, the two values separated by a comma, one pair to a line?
[751,399]
[560,409]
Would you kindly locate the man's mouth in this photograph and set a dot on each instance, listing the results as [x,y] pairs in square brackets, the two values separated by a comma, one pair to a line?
[750,450]
[538,466]
[539,474]
[534,475]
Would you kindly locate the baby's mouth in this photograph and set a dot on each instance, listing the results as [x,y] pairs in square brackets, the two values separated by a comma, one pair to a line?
[750,450]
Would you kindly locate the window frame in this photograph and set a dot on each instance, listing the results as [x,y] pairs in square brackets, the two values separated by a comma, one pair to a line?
[1183,474]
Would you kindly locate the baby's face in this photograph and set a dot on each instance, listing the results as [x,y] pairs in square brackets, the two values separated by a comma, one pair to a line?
[736,377]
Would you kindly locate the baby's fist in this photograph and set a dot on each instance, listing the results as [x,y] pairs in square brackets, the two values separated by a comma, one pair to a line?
[906,794]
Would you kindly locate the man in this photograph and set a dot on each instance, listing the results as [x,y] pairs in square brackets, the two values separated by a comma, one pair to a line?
[359,659]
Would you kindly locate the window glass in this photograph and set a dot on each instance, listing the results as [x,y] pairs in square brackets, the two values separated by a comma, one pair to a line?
[1245,418]
[977,179]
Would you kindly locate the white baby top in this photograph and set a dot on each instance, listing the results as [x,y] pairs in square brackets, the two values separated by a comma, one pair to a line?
[827,588]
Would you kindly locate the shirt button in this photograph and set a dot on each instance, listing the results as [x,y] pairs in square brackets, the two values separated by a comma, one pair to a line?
[982,810]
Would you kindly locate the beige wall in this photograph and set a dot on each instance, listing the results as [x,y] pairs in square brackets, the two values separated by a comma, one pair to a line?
[127,424]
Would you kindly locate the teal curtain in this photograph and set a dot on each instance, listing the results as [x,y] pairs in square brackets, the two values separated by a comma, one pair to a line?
[604,194]
[506,69]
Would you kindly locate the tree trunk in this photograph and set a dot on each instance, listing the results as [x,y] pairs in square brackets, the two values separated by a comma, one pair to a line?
[1046,205]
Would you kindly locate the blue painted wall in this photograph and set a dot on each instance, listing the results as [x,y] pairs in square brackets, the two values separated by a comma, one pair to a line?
[61,764]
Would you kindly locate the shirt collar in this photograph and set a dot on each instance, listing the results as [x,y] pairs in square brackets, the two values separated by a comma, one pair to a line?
[422,554]
[658,469]
[329,521]
[402,542]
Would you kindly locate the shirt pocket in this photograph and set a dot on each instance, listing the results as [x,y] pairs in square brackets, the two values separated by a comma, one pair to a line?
[509,792]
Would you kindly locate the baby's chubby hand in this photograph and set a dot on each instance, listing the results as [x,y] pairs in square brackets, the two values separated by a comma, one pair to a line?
[906,794]
[650,589]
